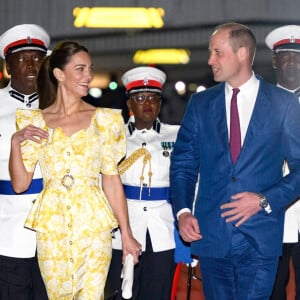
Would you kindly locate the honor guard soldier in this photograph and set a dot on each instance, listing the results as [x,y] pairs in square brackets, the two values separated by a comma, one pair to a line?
[23,48]
[145,177]
[284,42]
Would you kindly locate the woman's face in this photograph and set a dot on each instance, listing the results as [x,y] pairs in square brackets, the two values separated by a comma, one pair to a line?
[145,107]
[77,74]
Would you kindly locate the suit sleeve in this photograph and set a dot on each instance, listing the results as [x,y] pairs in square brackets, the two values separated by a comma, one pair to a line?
[184,161]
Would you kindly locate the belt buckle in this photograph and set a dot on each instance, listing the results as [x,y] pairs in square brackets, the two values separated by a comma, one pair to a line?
[67,181]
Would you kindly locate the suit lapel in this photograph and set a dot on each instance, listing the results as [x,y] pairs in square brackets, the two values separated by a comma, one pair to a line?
[259,114]
[260,111]
[219,117]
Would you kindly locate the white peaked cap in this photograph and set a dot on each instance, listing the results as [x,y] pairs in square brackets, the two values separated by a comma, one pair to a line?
[24,37]
[284,38]
[142,79]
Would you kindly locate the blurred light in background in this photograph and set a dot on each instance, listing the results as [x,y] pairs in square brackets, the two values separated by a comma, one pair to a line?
[180,87]
[162,56]
[118,17]
[95,92]
[113,85]
[192,87]
[101,80]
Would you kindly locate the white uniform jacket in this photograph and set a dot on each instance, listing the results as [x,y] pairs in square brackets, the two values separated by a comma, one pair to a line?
[155,213]
[15,240]
[291,220]
[292,214]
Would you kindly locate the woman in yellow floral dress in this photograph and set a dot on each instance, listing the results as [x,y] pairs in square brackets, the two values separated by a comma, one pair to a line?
[73,142]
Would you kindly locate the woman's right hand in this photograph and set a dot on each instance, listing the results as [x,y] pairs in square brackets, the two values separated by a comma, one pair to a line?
[29,132]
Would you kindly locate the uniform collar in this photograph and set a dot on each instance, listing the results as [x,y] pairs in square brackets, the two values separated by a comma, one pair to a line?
[156,126]
[27,99]
[296,91]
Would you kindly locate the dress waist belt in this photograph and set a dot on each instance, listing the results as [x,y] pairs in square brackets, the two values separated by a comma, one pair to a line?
[69,181]
[35,187]
[152,194]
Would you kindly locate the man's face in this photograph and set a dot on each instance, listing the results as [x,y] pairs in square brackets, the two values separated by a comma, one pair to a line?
[224,62]
[23,67]
[287,66]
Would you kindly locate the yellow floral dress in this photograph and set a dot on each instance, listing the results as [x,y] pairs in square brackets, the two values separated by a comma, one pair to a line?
[72,216]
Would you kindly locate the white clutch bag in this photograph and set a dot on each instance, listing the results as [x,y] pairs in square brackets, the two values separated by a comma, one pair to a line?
[127,275]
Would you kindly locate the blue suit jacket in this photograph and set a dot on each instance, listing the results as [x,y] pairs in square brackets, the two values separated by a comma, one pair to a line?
[202,146]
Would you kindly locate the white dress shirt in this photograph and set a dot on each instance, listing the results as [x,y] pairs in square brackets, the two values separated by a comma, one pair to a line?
[245,100]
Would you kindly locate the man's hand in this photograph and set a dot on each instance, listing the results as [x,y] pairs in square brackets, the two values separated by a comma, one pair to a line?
[243,206]
[188,227]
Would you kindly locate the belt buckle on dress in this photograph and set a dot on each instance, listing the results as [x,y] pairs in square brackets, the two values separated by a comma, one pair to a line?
[67,181]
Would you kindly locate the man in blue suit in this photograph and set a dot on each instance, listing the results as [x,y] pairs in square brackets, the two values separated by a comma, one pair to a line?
[236,230]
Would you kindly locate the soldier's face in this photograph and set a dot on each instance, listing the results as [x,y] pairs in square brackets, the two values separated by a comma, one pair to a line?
[23,68]
[287,66]
[145,107]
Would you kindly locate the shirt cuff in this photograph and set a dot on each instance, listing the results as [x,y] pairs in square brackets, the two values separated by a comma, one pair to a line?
[182,211]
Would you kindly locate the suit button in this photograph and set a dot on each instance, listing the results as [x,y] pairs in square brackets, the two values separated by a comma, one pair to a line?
[233,179]
[145,208]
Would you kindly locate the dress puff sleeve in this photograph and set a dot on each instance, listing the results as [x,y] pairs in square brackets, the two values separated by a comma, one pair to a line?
[111,127]
[29,149]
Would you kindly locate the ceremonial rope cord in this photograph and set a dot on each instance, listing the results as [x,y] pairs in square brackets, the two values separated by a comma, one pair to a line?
[131,159]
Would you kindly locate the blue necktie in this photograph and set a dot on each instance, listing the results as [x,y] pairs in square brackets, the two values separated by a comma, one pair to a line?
[235,130]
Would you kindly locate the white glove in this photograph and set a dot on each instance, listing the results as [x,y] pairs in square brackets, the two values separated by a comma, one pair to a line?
[194,262]
[127,275]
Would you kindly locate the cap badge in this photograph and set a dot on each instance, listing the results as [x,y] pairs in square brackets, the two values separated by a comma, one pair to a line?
[29,41]
[145,81]
[292,39]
